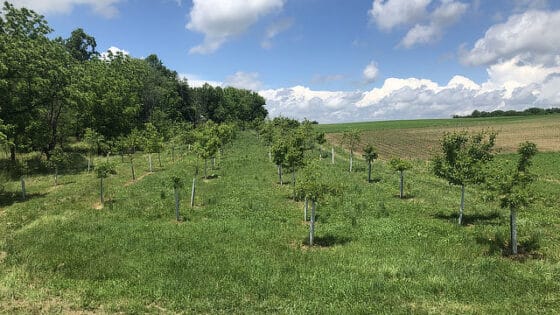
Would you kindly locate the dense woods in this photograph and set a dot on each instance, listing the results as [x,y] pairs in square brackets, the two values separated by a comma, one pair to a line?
[53,90]
[503,113]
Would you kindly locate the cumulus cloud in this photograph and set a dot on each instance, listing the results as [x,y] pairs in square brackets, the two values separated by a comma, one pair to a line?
[274,29]
[105,8]
[410,98]
[388,14]
[533,36]
[113,51]
[244,80]
[447,14]
[196,81]
[370,72]
[424,26]
[220,20]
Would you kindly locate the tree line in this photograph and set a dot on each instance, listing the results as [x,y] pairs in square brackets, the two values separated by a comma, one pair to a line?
[501,113]
[53,90]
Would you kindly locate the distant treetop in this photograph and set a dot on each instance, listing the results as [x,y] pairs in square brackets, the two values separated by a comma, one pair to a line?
[500,113]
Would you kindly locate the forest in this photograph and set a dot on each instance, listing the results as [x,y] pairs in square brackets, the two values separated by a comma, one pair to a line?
[54,90]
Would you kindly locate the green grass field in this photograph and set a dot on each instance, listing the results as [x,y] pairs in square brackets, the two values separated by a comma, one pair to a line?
[242,248]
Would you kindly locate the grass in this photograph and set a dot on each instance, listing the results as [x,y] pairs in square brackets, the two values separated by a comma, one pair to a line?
[420,138]
[242,248]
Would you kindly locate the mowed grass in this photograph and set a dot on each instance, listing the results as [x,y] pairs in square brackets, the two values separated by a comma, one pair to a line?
[242,248]
[420,138]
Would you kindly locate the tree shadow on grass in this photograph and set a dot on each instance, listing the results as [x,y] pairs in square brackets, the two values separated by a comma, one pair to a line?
[328,240]
[9,198]
[471,219]
[499,244]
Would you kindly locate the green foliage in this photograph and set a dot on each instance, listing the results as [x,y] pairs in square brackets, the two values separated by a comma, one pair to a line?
[512,186]
[370,153]
[351,139]
[104,169]
[153,141]
[177,182]
[400,165]
[463,157]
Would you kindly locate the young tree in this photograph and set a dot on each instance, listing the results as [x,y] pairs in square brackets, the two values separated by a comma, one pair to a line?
[153,143]
[103,171]
[59,159]
[279,152]
[400,165]
[177,185]
[321,140]
[313,190]
[351,139]
[370,154]
[514,193]
[463,160]
[94,142]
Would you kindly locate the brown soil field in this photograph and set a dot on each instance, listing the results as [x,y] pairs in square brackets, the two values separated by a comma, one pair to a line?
[424,142]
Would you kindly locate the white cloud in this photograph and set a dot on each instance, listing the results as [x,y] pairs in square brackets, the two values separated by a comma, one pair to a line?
[412,98]
[244,80]
[196,81]
[106,8]
[371,72]
[388,14]
[113,51]
[447,14]
[220,20]
[533,36]
[274,29]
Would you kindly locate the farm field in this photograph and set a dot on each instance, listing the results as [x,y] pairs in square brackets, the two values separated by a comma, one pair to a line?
[242,248]
[420,138]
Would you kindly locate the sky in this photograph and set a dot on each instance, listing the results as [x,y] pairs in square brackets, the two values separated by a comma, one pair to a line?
[340,60]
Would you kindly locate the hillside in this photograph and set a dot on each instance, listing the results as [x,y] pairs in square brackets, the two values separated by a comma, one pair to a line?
[242,248]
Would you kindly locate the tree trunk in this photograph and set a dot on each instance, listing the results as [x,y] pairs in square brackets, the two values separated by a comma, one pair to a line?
[513,230]
[294,183]
[369,172]
[332,155]
[132,169]
[13,153]
[101,192]
[150,162]
[193,191]
[269,156]
[56,176]
[23,192]
[205,167]
[173,154]
[312,223]
[280,174]
[401,185]
[305,209]
[462,207]
[176,193]
[213,164]
[89,163]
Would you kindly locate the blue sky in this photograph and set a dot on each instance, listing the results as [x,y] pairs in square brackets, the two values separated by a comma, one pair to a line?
[341,60]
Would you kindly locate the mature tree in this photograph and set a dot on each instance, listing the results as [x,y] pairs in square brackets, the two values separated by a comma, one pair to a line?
[400,165]
[370,154]
[513,189]
[81,45]
[351,139]
[463,160]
